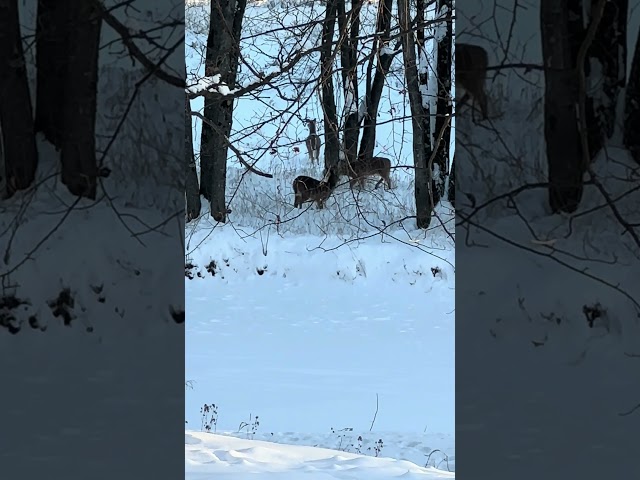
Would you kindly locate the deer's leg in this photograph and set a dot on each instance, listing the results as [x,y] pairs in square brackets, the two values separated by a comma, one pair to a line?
[379,182]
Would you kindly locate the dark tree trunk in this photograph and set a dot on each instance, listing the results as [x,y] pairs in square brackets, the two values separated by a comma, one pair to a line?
[610,49]
[52,30]
[16,114]
[223,53]
[424,205]
[451,194]
[576,35]
[192,187]
[564,152]
[78,157]
[374,88]
[332,141]
[632,107]
[444,109]
[349,25]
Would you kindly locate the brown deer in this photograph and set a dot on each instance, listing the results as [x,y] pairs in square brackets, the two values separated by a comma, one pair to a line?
[471,70]
[359,169]
[313,141]
[308,189]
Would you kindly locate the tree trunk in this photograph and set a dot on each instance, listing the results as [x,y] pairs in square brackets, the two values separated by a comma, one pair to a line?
[16,114]
[632,107]
[451,194]
[424,205]
[610,49]
[52,29]
[564,152]
[332,142]
[192,187]
[349,24]
[78,157]
[444,109]
[384,57]
[223,53]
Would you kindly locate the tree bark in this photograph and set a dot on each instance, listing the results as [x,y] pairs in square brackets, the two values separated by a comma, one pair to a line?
[223,53]
[16,114]
[52,29]
[384,56]
[444,108]
[610,49]
[424,205]
[632,107]
[332,141]
[78,157]
[451,194]
[192,186]
[564,152]
[349,25]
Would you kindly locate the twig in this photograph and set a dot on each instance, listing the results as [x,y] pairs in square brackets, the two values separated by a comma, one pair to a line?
[375,414]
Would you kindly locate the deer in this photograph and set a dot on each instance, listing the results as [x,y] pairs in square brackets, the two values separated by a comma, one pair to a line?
[313,142]
[308,189]
[359,169]
[471,70]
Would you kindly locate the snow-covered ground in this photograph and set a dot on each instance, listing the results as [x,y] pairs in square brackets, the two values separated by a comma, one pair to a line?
[216,456]
[311,321]
[540,394]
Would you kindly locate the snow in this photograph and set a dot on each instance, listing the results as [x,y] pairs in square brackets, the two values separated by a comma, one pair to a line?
[310,320]
[209,455]
[538,390]
[205,84]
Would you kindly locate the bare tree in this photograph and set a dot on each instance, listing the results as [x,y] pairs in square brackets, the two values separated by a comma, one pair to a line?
[423,196]
[631,125]
[564,152]
[331,135]
[444,108]
[16,123]
[78,156]
[222,58]
[52,30]
[192,186]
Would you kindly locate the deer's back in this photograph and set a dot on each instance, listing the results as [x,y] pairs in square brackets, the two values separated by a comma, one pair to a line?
[471,61]
[303,182]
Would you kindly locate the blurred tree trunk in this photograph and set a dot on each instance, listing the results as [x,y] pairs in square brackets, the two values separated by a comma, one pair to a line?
[52,29]
[332,141]
[349,26]
[444,109]
[451,194]
[632,107]
[424,205]
[16,114]
[383,57]
[610,49]
[78,157]
[563,148]
[223,54]
[192,186]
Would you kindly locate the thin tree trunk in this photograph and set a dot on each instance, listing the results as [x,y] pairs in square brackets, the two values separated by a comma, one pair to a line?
[223,53]
[632,107]
[192,186]
[78,157]
[451,194]
[610,49]
[564,152]
[16,114]
[424,204]
[384,57]
[444,109]
[332,141]
[52,29]
[349,24]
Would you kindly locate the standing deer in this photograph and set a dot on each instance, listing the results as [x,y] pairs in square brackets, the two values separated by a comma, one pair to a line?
[471,70]
[313,142]
[308,189]
[359,169]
